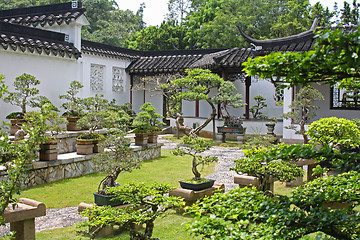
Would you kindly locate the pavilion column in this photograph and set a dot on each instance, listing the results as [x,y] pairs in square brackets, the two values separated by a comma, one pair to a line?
[131,89]
[247,96]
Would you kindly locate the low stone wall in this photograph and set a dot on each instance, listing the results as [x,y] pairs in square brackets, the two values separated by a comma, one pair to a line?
[70,165]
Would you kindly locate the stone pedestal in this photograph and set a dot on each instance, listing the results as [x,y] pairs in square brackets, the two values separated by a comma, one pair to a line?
[298,182]
[245,180]
[22,217]
[191,196]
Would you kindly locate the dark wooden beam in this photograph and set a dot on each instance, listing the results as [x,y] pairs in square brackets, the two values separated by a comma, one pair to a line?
[247,97]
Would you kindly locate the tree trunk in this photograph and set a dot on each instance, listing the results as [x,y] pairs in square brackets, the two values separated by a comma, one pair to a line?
[149,229]
[199,128]
[194,169]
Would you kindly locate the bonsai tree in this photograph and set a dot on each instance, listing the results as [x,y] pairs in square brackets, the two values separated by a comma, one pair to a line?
[47,122]
[196,86]
[154,116]
[116,159]
[246,213]
[141,123]
[227,96]
[256,109]
[24,89]
[336,133]
[269,163]
[73,106]
[301,108]
[147,204]
[193,146]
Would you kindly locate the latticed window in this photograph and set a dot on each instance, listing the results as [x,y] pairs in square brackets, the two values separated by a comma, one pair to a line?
[279,96]
[118,79]
[344,99]
[97,77]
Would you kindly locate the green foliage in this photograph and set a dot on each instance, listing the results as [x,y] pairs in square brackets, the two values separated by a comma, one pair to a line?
[333,60]
[24,88]
[265,163]
[167,36]
[74,104]
[98,116]
[3,87]
[147,204]
[147,120]
[154,116]
[245,213]
[212,24]
[196,86]
[21,154]
[116,159]
[301,108]
[259,141]
[256,109]
[47,122]
[334,133]
[193,146]
[343,188]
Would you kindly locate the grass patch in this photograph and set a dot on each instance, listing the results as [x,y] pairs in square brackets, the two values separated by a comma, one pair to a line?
[70,192]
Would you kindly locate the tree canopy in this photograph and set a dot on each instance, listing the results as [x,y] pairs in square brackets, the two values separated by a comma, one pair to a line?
[335,59]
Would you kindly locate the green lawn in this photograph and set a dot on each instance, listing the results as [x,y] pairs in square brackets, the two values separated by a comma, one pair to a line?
[70,192]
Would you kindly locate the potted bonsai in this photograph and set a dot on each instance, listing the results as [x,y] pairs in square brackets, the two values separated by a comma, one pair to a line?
[97,117]
[154,122]
[73,106]
[23,91]
[142,127]
[116,159]
[48,124]
[193,146]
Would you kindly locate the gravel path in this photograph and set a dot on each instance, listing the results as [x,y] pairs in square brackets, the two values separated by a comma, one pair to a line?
[63,217]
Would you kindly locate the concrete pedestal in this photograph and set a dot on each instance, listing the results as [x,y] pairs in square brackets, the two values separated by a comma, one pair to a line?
[191,196]
[22,217]
[245,180]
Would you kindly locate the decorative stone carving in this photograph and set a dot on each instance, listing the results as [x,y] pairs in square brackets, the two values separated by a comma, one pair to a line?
[97,77]
[118,79]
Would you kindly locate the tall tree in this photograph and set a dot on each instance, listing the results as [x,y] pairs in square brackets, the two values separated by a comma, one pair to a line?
[168,35]
[213,23]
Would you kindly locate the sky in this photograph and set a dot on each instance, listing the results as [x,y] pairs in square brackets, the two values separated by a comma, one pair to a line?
[155,10]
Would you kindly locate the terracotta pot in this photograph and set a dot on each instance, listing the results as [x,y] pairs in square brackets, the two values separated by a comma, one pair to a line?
[84,146]
[15,125]
[49,151]
[141,139]
[152,137]
[72,124]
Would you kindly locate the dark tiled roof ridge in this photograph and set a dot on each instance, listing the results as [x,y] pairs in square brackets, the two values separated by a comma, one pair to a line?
[22,31]
[17,37]
[42,9]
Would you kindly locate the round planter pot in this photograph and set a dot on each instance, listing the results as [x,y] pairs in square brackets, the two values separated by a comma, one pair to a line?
[197,186]
[106,200]
[72,124]
[84,146]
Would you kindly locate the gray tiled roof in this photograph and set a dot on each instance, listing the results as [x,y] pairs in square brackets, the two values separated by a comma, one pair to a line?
[93,48]
[17,37]
[42,15]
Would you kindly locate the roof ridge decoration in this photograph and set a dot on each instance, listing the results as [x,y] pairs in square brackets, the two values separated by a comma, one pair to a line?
[42,15]
[298,42]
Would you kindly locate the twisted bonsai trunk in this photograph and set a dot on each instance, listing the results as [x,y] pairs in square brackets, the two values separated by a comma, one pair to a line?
[194,169]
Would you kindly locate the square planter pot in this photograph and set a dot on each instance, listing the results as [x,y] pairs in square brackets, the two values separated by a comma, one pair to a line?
[152,137]
[72,124]
[84,146]
[141,139]
[48,151]
[15,125]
